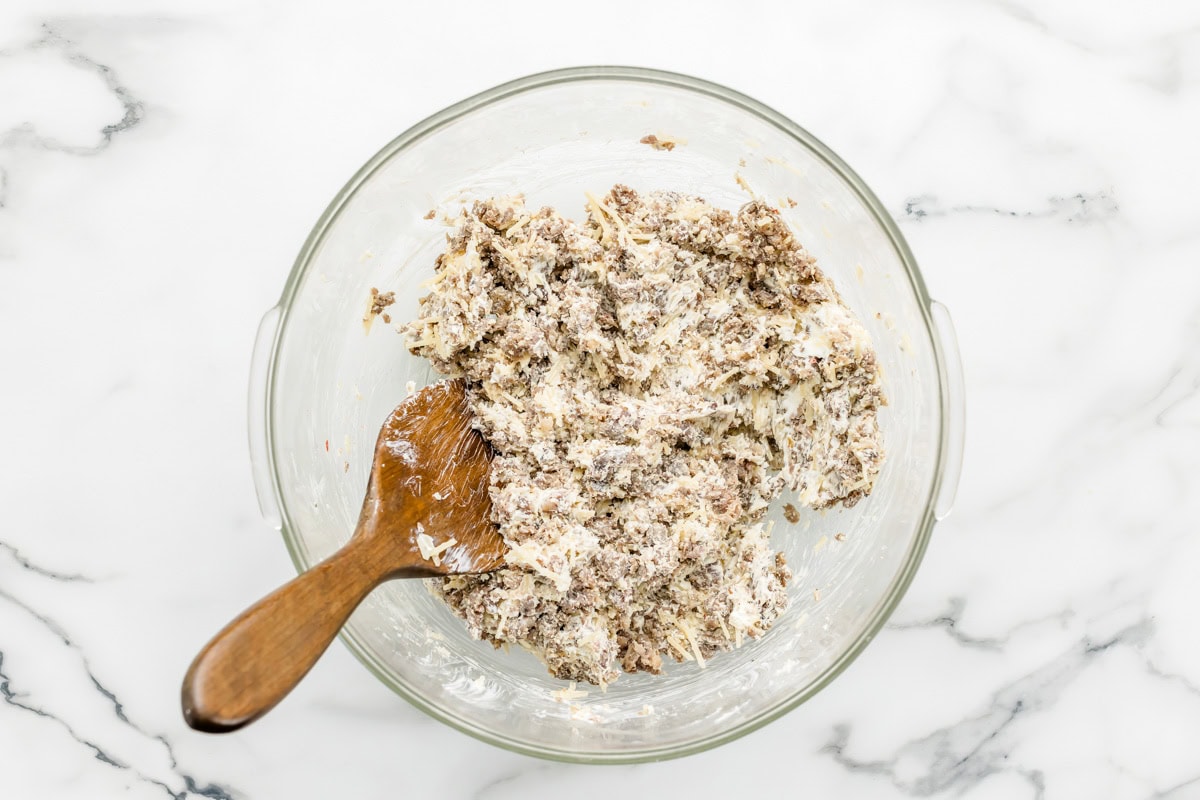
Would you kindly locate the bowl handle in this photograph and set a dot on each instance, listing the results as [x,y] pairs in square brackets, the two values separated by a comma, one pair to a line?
[260,457]
[954,408]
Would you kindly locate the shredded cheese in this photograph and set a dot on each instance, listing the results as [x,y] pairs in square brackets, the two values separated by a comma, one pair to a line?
[431,552]
[569,693]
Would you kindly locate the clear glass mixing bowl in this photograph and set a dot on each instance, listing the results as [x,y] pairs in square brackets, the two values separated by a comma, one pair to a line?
[322,385]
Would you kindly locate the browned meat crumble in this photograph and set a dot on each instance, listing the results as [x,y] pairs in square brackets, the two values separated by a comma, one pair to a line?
[650,380]
[376,305]
[657,143]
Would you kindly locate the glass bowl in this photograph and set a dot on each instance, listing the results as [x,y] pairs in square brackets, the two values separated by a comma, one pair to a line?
[323,384]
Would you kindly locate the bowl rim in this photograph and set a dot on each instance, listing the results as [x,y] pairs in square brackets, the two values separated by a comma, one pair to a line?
[433,123]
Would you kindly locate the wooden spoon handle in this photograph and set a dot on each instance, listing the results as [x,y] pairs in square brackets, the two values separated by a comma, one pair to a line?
[258,658]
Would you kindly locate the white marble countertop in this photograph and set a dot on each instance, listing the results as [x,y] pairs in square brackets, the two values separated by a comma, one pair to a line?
[160,166]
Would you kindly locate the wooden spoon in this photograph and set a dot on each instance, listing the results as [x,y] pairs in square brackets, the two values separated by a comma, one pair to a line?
[429,478]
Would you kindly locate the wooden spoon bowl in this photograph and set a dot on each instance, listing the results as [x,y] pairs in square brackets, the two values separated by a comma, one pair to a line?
[427,512]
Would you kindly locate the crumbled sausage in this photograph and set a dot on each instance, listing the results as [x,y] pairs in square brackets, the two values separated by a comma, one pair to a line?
[650,379]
